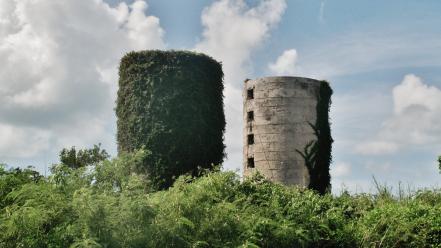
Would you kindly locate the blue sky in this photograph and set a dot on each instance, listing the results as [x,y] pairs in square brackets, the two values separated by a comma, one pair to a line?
[383,59]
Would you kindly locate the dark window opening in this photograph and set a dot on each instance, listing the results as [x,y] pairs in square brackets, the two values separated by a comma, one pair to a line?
[250,139]
[250,163]
[250,116]
[250,94]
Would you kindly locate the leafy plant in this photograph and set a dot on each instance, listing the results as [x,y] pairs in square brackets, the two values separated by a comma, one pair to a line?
[108,204]
[171,103]
[84,157]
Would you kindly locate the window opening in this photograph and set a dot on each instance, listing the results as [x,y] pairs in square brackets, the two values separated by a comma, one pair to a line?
[250,139]
[250,163]
[250,116]
[250,94]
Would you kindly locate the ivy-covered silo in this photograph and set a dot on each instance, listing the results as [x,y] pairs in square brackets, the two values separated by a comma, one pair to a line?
[171,103]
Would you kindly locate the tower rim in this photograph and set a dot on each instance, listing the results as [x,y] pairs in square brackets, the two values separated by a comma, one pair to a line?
[284,78]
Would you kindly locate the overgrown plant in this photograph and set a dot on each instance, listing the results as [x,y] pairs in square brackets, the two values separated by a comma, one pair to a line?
[83,157]
[171,103]
[439,164]
[109,205]
[317,153]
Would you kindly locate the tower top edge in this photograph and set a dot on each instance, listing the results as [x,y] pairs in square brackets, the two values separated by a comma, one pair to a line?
[283,78]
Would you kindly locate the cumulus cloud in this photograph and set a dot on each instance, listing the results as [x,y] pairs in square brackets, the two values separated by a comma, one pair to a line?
[340,169]
[413,92]
[59,70]
[416,119]
[232,31]
[22,142]
[285,63]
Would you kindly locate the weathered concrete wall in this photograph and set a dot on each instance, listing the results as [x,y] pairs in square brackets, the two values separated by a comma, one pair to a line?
[281,109]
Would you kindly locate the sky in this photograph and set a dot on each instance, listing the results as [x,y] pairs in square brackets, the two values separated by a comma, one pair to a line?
[59,73]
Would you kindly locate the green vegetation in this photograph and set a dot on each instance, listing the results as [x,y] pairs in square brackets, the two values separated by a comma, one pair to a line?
[317,153]
[439,164]
[171,103]
[82,158]
[107,204]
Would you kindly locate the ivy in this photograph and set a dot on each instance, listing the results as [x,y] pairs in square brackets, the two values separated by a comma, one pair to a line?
[171,103]
[317,153]
[439,164]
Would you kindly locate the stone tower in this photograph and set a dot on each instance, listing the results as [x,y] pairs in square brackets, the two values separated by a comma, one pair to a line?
[277,115]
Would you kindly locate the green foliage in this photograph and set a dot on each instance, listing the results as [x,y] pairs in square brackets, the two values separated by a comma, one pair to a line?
[103,206]
[82,158]
[38,216]
[171,103]
[439,164]
[401,224]
[110,205]
[317,153]
[14,179]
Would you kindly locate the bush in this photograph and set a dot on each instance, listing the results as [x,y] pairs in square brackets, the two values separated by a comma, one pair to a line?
[108,205]
[395,224]
[100,206]
[171,103]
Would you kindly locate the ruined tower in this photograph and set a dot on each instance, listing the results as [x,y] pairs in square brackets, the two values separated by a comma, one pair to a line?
[280,117]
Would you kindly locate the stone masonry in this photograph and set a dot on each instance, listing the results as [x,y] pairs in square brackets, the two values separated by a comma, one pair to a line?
[277,111]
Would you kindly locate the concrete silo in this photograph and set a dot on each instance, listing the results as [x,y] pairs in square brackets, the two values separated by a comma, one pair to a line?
[280,114]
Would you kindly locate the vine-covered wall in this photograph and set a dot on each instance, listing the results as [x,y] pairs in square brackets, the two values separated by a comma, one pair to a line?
[320,179]
[171,103]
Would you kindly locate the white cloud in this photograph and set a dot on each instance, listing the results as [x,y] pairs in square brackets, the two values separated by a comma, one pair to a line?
[285,63]
[59,69]
[137,25]
[376,148]
[377,168]
[416,119]
[412,92]
[232,31]
[22,142]
[340,169]
[369,50]
[321,16]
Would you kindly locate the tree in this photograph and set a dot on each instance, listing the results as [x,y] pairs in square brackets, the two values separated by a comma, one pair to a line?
[76,159]
[14,179]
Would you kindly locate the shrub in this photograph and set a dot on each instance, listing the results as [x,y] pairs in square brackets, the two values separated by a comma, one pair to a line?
[108,205]
[102,206]
[171,103]
[396,224]
[14,179]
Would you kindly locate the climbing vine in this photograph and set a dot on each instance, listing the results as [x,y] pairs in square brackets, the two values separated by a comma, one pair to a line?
[171,103]
[317,153]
